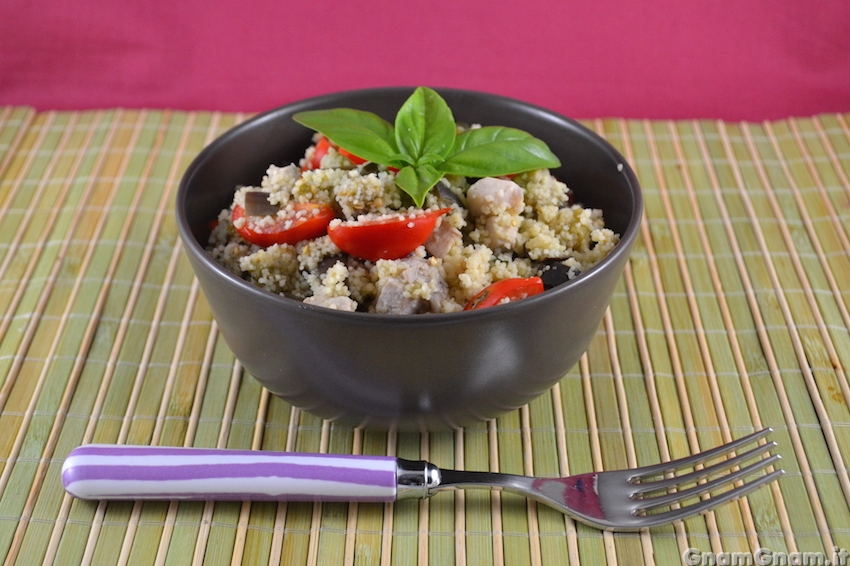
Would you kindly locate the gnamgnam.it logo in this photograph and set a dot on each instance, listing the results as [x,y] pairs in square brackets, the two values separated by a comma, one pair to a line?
[765,557]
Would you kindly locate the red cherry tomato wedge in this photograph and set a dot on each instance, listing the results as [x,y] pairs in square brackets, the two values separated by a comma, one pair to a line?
[351,157]
[307,221]
[388,237]
[321,149]
[505,290]
[319,152]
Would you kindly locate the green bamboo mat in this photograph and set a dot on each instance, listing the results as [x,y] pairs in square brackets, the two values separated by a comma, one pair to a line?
[732,315]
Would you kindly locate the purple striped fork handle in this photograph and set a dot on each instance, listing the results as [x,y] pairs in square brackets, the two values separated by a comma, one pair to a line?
[100,471]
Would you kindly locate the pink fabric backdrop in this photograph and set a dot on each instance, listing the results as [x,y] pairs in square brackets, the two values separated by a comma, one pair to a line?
[729,59]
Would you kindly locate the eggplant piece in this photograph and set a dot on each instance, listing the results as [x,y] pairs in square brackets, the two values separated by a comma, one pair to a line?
[368,168]
[556,273]
[257,204]
[445,193]
[327,263]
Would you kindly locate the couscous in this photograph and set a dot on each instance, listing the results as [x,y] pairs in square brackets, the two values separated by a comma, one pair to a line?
[336,231]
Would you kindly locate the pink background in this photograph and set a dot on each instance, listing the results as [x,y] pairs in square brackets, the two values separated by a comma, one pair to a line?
[728,59]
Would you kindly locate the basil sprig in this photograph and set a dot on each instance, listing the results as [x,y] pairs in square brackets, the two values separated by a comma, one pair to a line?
[424,145]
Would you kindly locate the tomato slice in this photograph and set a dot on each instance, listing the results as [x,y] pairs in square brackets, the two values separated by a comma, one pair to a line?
[359,160]
[307,221]
[322,147]
[321,150]
[351,157]
[389,237]
[506,290]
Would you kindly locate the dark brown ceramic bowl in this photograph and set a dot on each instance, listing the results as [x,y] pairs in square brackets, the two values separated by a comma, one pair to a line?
[419,371]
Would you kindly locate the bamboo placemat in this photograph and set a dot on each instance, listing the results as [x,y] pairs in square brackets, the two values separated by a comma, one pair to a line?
[732,315]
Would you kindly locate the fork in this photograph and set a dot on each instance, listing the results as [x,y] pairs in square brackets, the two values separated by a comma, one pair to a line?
[624,500]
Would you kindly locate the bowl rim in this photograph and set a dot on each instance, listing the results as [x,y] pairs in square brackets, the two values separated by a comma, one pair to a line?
[194,247]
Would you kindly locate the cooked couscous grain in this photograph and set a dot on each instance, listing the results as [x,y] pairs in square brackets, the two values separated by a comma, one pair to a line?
[484,231]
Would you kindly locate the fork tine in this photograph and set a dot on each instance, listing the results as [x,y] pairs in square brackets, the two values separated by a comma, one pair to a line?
[688,461]
[704,472]
[707,504]
[700,489]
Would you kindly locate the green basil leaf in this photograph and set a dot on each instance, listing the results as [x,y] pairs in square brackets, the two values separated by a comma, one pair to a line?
[493,151]
[423,144]
[399,160]
[430,159]
[425,125]
[364,134]
[417,181]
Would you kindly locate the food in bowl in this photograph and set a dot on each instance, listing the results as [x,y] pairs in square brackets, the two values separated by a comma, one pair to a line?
[395,371]
[427,216]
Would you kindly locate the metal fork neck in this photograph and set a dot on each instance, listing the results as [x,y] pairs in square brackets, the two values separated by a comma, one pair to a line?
[416,479]
[421,479]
